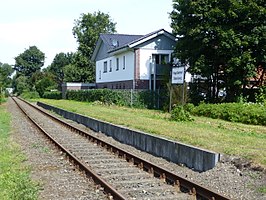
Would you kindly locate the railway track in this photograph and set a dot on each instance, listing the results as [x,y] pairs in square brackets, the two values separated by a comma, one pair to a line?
[112,168]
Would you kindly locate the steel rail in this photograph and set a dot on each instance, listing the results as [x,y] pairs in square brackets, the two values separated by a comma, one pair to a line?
[179,182]
[109,190]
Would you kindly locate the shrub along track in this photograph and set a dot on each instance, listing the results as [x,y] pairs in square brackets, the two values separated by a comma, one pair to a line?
[109,167]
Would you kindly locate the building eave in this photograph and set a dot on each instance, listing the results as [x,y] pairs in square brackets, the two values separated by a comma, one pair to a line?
[118,50]
[151,36]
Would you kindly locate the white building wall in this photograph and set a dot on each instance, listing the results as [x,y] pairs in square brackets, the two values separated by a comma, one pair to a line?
[116,75]
[146,59]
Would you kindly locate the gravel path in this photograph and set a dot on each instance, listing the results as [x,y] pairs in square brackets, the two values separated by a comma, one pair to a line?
[237,183]
[57,177]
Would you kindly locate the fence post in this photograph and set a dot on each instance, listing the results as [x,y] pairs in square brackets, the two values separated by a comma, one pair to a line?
[158,98]
[131,97]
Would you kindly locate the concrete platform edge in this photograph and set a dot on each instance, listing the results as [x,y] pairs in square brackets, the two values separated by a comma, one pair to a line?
[193,157]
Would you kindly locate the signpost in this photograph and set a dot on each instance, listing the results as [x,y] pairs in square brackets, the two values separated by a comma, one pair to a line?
[178,77]
[178,74]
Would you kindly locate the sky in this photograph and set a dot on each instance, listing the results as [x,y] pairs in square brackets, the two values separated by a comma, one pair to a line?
[48,24]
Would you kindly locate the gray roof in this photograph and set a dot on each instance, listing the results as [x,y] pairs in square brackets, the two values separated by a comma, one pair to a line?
[126,40]
[114,41]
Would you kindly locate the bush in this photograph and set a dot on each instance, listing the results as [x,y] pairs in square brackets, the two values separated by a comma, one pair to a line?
[180,114]
[2,98]
[103,95]
[189,107]
[247,113]
[52,95]
[261,96]
[138,99]
[45,85]
[30,95]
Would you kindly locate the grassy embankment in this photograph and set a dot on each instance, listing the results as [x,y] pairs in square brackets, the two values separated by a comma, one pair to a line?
[238,139]
[15,183]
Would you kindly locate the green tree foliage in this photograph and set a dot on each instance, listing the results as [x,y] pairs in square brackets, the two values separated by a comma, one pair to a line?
[28,70]
[87,30]
[20,84]
[223,40]
[60,61]
[5,73]
[81,70]
[30,61]
[46,83]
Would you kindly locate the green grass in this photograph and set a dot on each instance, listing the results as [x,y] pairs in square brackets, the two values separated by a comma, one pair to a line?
[15,183]
[247,141]
[262,189]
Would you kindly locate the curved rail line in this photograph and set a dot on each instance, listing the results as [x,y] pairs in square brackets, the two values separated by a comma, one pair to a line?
[180,183]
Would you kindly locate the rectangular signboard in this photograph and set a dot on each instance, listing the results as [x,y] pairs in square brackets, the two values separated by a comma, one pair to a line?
[178,74]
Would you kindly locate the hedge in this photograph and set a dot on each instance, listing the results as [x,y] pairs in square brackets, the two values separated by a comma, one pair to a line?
[140,99]
[52,95]
[247,113]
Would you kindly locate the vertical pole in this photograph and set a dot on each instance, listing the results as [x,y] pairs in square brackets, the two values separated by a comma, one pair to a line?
[150,76]
[183,88]
[154,85]
[131,97]
[170,99]
[170,90]
[158,98]
[154,78]
[183,93]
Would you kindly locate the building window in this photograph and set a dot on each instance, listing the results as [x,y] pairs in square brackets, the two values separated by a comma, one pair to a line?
[161,58]
[124,62]
[100,74]
[105,67]
[117,64]
[110,66]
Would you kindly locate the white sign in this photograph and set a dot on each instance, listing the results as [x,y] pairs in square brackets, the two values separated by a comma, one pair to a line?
[178,75]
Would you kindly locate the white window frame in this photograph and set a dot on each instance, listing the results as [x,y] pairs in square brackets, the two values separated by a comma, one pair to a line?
[105,67]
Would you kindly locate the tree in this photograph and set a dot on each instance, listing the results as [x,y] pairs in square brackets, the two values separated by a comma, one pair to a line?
[47,83]
[221,40]
[30,61]
[60,61]
[20,84]
[5,73]
[87,30]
